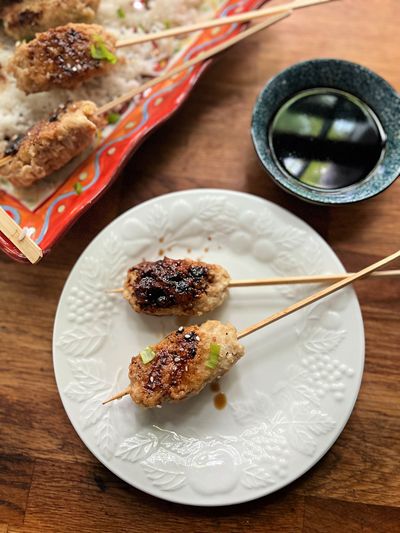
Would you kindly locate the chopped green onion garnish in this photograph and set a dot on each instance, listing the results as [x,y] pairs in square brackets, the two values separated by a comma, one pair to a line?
[113,118]
[147,355]
[167,24]
[213,357]
[99,50]
[121,13]
[78,187]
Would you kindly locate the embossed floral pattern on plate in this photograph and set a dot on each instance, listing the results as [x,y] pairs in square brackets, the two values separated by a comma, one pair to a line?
[288,399]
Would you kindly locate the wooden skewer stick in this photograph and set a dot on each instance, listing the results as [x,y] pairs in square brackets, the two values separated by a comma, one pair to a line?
[297,306]
[17,236]
[4,160]
[198,59]
[294,280]
[239,18]
[298,280]
[119,395]
[318,295]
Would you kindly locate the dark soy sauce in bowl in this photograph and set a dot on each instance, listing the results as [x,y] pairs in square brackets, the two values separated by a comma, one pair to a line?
[326,139]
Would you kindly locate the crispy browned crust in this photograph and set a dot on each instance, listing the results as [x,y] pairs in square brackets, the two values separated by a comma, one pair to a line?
[52,143]
[60,58]
[180,287]
[179,369]
[22,20]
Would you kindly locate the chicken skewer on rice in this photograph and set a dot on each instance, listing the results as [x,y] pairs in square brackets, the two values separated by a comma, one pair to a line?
[23,19]
[63,58]
[51,144]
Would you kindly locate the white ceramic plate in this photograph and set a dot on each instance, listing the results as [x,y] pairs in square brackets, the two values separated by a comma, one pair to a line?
[288,398]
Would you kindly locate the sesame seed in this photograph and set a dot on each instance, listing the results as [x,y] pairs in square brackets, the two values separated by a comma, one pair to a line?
[151,379]
[197,338]
[181,329]
[177,359]
[187,336]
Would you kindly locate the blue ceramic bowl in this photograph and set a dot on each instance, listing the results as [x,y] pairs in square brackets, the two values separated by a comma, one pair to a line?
[343,76]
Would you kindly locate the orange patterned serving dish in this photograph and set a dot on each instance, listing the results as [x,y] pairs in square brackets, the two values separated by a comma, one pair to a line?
[54,216]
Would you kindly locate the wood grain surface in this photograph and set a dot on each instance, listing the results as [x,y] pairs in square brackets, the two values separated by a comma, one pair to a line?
[49,481]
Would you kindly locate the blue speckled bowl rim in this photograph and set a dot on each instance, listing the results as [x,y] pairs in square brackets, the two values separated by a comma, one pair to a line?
[345,76]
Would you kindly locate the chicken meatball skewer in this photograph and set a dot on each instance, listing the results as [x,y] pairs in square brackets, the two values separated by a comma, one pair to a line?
[186,360]
[66,56]
[24,18]
[63,58]
[184,287]
[51,144]
[69,55]
[183,363]
[180,287]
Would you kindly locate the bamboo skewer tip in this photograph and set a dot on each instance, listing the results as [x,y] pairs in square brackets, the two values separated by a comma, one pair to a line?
[114,291]
[118,395]
[19,237]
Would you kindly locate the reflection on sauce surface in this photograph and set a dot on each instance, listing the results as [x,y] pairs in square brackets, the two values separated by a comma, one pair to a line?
[220,400]
[327,139]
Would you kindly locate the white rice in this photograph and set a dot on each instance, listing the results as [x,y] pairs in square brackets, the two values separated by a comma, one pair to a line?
[18,111]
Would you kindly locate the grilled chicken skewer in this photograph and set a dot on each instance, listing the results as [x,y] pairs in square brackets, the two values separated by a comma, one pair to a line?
[51,143]
[185,361]
[23,19]
[184,287]
[63,58]
[180,287]
[22,154]
[66,56]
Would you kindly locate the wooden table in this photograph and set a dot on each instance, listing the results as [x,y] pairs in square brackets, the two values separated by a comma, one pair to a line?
[49,481]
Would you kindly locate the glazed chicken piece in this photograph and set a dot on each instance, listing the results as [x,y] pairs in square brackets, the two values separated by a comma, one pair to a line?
[63,57]
[183,363]
[51,144]
[180,287]
[22,20]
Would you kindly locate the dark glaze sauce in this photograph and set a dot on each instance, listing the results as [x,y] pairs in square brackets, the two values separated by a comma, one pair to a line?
[27,18]
[220,400]
[173,357]
[169,282]
[326,139]
[13,144]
